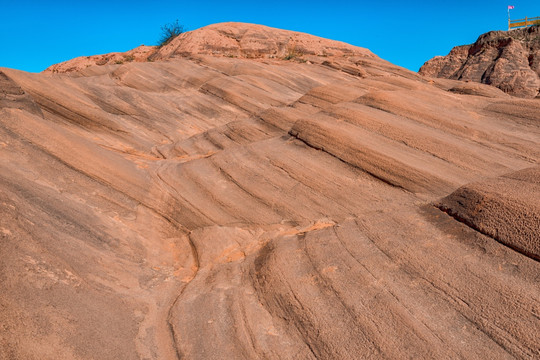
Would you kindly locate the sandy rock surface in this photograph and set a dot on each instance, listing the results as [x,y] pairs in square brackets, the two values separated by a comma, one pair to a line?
[254,41]
[204,206]
[502,208]
[139,54]
[508,60]
[234,40]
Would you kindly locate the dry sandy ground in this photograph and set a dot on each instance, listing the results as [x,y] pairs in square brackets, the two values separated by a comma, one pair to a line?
[209,206]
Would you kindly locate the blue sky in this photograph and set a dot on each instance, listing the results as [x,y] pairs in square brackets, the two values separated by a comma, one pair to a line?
[36,34]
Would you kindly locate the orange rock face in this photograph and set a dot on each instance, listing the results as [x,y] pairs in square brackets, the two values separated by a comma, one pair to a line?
[139,54]
[256,193]
[508,60]
[234,40]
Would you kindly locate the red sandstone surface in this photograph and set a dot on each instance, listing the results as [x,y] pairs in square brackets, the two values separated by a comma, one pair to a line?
[250,193]
[508,60]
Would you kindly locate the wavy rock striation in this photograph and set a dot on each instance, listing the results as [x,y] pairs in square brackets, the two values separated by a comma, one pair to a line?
[203,206]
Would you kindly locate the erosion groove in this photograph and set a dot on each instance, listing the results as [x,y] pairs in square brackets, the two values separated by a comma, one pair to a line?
[220,202]
[170,316]
[378,177]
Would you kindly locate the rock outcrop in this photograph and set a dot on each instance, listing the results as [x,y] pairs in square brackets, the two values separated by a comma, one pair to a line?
[139,54]
[254,41]
[501,208]
[235,40]
[508,60]
[208,206]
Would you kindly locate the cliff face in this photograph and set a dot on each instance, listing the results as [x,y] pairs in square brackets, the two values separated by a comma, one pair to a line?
[240,198]
[509,60]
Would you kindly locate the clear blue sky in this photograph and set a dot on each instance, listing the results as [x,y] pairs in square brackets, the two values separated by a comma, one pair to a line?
[36,34]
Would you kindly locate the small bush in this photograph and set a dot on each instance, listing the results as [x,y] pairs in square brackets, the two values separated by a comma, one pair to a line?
[293,53]
[169,32]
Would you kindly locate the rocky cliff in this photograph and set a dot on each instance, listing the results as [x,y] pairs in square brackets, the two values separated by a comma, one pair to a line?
[509,60]
[254,193]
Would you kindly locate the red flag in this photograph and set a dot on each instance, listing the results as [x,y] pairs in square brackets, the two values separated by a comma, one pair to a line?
[510,7]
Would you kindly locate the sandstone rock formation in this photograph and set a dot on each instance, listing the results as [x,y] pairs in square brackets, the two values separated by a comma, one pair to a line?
[508,60]
[501,208]
[139,54]
[234,40]
[203,206]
